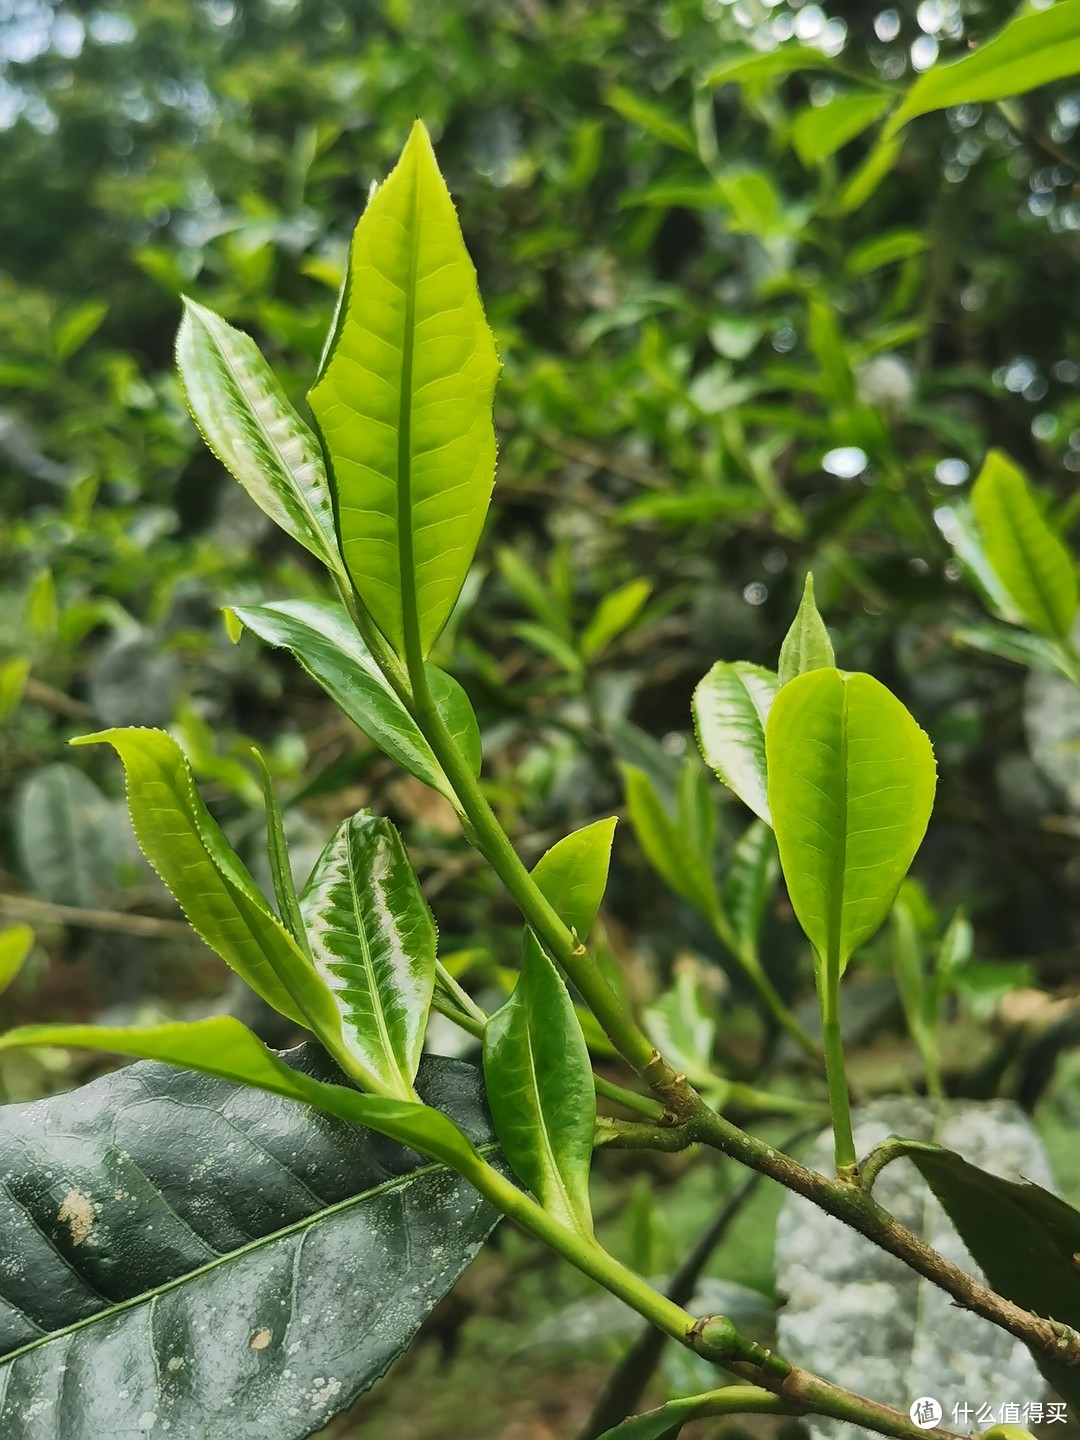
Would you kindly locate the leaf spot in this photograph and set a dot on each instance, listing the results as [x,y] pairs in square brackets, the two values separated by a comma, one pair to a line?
[77,1212]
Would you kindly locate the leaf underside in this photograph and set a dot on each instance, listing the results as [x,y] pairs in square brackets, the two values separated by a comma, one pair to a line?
[183,1249]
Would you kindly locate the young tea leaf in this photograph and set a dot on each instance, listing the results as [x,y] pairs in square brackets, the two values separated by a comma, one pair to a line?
[373,942]
[326,644]
[573,874]
[278,853]
[751,876]
[615,613]
[16,943]
[541,1092]
[851,786]
[1028,558]
[730,707]
[404,402]
[254,431]
[184,844]
[223,1047]
[667,847]
[806,645]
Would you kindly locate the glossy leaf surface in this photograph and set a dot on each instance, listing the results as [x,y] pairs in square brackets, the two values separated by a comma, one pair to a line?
[541,1092]
[404,404]
[730,707]
[1028,558]
[254,431]
[325,642]
[573,874]
[372,939]
[184,844]
[216,1257]
[806,645]
[851,785]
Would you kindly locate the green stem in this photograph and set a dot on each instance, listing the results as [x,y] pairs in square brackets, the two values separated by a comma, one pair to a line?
[461,996]
[835,1074]
[732,1400]
[755,972]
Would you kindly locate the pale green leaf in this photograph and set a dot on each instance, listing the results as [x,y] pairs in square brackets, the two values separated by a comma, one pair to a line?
[254,431]
[223,1047]
[1033,49]
[806,645]
[184,844]
[1028,558]
[1038,652]
[326,643]
[682,1026]
[372,939]
[14,674]
[76,326]
[730,707]
[751,67]
[404,404]
[820,130]
[16,943]
[851,787]
[615,613]
[541,1091]
[573,874]
[667,848]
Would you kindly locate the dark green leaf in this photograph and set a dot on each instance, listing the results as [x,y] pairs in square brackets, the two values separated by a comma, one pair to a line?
[851,786]
[541,1091]
[72,843]
[806,645]
[573,874]
[372,938]
[730,708]
[325,642]
[216,1257]
[1024,1239]
[403,402]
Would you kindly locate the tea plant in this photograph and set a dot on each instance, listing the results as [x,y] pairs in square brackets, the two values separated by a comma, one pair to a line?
[193,1319]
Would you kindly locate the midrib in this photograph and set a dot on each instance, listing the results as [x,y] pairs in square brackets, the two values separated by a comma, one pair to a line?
[406,561]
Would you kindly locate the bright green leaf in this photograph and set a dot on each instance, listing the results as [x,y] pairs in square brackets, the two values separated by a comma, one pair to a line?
[184,844]
[327,645]
[223,1047]
[573,874]
[747,67]
[1027,557]
[76,326]
[1032,50]
[254,431]
[541,1091]
[820,130]
[1037,652]
[882,250]
[404,404]
[851,786]
[650,117]
[372,938]
[957,524]
[615,613]
[869,174]
[730,707]
[806,645]
[668,849]
[14,674]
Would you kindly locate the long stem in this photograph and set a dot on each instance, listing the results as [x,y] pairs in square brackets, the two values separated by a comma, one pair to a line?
[755,972]
[835,1072]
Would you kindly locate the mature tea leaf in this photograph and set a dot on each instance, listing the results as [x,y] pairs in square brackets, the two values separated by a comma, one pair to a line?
[851,786]
[184,844]
[404,404]
[1032,50]
[373,941]
[573,874]
[1024,1239]
[326,643]
[865,1319]
[730,707]
[1028,558]
[224,1260]
[72,841]
[806,645]
[541,1091]
[254,431]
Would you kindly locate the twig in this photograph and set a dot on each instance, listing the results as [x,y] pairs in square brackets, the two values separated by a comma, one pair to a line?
[23,907]
[53,699]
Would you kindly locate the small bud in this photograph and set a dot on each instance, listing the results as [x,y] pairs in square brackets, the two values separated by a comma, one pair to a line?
[716,1338]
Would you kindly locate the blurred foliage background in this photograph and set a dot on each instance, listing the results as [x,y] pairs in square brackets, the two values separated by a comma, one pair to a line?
[730,357]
